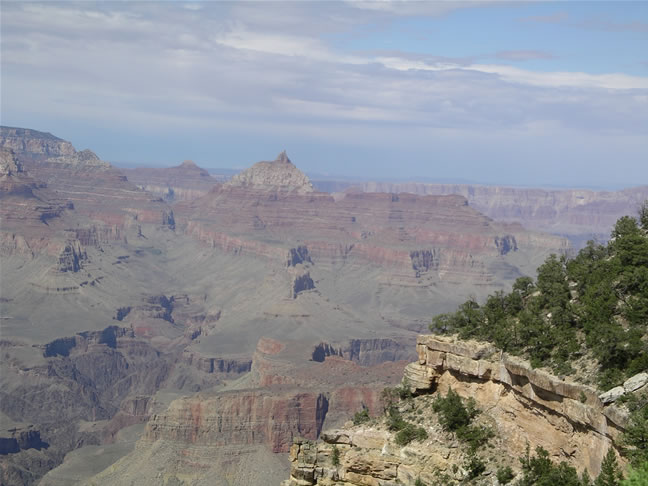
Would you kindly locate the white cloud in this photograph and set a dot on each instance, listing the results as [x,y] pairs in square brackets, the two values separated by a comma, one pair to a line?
[159,67]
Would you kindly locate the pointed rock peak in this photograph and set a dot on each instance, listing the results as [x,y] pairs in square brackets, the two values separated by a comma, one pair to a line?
[192,167]
[283,158]
[280,174]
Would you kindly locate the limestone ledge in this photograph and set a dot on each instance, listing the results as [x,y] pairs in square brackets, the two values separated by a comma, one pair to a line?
[472,360]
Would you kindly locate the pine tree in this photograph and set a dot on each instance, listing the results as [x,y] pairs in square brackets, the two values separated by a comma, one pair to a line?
[610,472]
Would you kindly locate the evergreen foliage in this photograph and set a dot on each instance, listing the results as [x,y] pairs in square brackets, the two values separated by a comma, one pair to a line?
[361,417]
[505,475]
[635,437]
[539,470]
[335,456]
[455,416]
[406,431]
[474,465]
[409,433]
[594,304]
[637,477]
[610,472]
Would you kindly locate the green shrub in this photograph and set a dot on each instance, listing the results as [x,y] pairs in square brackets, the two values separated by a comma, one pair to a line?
[335,456]
[474,465]
[505,475]
[389,398]
[475,437]
[539,470]
[361,417]
[395,420]
[453,414]
[409,433]
[635,437]
[610,472]
[637,477]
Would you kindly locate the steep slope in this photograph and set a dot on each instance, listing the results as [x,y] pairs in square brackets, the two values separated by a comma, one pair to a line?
[518,404]
[25,202]
[98,190]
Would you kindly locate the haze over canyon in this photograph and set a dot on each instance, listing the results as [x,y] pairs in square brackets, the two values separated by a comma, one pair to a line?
[163,326]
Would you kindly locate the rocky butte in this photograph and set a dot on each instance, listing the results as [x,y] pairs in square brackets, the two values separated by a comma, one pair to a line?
[148,341]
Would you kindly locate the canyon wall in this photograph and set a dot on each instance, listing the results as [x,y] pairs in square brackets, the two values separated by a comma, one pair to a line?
[580,214]
[525,407]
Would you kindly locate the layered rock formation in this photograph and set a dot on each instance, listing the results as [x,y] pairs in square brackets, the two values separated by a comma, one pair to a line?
[34,143]
[524,401]
[579,214]
[185,182]
[265,292]
[271,209]
[209,436]
[521,404]
[25,200]
[97,190]
[279,174]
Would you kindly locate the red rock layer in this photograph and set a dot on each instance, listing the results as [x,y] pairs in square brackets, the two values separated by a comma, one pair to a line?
[182,183]
[443,232]
[272,417]
[568,211]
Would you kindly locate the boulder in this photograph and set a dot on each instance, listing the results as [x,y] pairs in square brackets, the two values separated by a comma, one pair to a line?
[612,395]
[636,382]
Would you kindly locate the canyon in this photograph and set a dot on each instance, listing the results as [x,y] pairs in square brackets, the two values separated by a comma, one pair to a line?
[578,214]
[181,329]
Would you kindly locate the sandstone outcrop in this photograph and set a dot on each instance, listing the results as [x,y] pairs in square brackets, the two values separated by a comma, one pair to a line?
[523,406]
[575,421]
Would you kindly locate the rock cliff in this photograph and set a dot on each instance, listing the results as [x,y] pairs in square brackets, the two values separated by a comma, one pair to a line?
[35,143]
[580,214]
[522,405]
[96,189]
[271,208]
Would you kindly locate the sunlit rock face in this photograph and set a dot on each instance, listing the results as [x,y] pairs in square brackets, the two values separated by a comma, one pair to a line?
[525,407]
[280,175]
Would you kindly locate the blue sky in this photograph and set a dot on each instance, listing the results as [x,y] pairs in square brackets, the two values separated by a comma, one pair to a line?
[526,93]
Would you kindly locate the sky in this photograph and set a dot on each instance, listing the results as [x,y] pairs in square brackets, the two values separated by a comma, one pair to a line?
[515,93]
